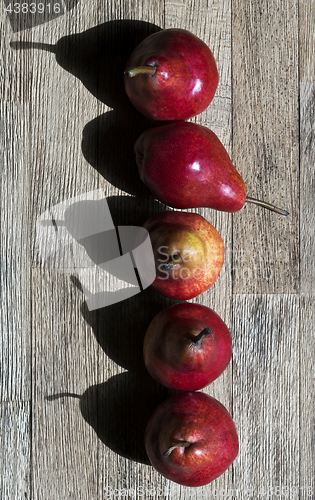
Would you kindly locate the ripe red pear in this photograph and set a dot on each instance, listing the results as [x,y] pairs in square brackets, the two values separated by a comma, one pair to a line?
[191,439]
[185,165]
[171,75]
[187,346]
[188,252]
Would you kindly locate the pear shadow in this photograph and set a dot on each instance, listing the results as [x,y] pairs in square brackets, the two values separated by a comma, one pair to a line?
[125,404]
[119,409]
[101,241]
[120,328]
[128,211]
[98,57]
[95,238]
[108,145]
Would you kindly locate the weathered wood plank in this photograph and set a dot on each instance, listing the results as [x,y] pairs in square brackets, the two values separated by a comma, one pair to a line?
[15,450]
[65,354]
[65,363]
[61,107]
[307,142]
[306,39]
[266,144]
[307,391]
[15,333]
[307,186]
[15,72]
[266,367]
[307,222]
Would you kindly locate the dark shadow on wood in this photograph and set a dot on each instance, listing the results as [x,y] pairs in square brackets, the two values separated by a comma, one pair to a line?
[98,57]
[119,409]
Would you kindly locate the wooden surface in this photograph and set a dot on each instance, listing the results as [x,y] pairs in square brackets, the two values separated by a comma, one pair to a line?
[74,395]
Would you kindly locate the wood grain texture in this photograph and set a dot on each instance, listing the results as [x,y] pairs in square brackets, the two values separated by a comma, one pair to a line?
[61,107]
[307,141]
[306,40]
[15,380]
[266,144]
[65,363]
[266,393]
[15,450]
[65,355]
[307,186]
[14,71]
[307,384]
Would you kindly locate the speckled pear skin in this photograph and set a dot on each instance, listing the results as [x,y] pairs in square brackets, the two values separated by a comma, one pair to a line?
[199,247]
[185,78]
[171,353]
[202,421]
[185,165]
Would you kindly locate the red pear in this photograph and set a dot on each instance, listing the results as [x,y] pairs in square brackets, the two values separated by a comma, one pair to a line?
[171,75]
[188,252]
[191,439]
[187,346]
[185,165]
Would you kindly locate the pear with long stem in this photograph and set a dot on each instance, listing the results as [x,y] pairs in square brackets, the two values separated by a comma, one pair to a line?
[185,165]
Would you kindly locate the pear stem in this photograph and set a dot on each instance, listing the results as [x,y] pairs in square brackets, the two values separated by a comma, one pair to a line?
[267,205]
[204,333]
[173,259]
[140,70]
[180,444]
